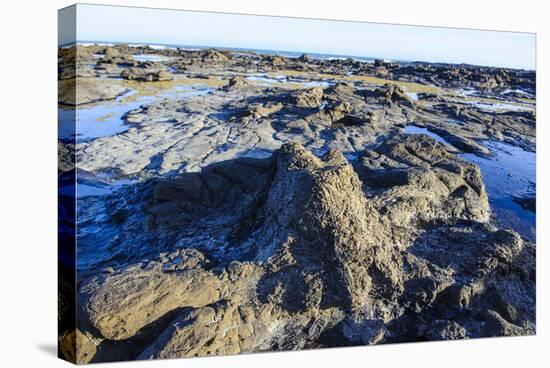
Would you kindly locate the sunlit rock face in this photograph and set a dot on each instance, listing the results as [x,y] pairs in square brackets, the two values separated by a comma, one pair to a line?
[240,202]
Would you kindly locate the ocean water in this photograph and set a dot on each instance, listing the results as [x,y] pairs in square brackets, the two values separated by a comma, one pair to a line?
[242,51]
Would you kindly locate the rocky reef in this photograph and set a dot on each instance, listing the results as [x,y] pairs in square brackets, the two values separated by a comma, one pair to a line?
[240,211]
[296,251]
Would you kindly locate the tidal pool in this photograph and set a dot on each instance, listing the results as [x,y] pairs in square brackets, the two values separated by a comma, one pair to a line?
[151,57]
[99,120]
[412,95]
[497,106]
[413,129]
[509,173]
[267,81]
[106,119]
[502,106]
[91,188]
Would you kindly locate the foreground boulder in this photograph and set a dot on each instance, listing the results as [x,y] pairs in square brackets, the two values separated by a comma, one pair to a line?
[298,251]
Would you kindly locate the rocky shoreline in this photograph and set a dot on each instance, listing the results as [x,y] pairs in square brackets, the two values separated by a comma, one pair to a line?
[257,202]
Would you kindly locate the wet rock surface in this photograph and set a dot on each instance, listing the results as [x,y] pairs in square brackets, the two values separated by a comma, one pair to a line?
[528,202]
[87,91]
[276,203]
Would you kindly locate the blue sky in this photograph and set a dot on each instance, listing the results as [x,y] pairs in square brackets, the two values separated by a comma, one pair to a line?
[145,25]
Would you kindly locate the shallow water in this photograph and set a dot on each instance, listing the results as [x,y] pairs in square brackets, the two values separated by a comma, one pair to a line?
[106,119]
[502,106]
[467,92]
[90,189]
[509,172]
[95,121]
[267,81]
[412,95]
[518,91]
[151,57]
[498,106]
[413,129]
[258,153]
[103,120]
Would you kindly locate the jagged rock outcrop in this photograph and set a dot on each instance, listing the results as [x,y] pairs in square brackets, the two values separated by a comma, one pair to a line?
[258,111]
[146,74]
[222,237]
[429,181]
[333,115]
[338,111]
[309,97]
[274,61]
[214,56]
[115,56]
[76,54]
[313,252]
[394,94]
[235,83]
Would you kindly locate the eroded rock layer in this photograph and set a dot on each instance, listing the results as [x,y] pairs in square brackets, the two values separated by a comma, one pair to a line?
[314,252]
[238,202]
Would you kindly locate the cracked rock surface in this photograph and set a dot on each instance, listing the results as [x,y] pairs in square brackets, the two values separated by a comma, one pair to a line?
[254,202]
[310,253]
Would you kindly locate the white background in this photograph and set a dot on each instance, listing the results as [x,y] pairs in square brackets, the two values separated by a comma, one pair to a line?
[28,136]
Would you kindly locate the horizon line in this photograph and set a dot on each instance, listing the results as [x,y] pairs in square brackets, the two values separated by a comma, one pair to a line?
[184,46]
[432,44]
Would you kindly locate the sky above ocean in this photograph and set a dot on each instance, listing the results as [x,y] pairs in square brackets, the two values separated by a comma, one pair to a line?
[388,41]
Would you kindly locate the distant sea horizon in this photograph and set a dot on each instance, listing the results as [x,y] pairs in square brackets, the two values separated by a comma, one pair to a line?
[290,54]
